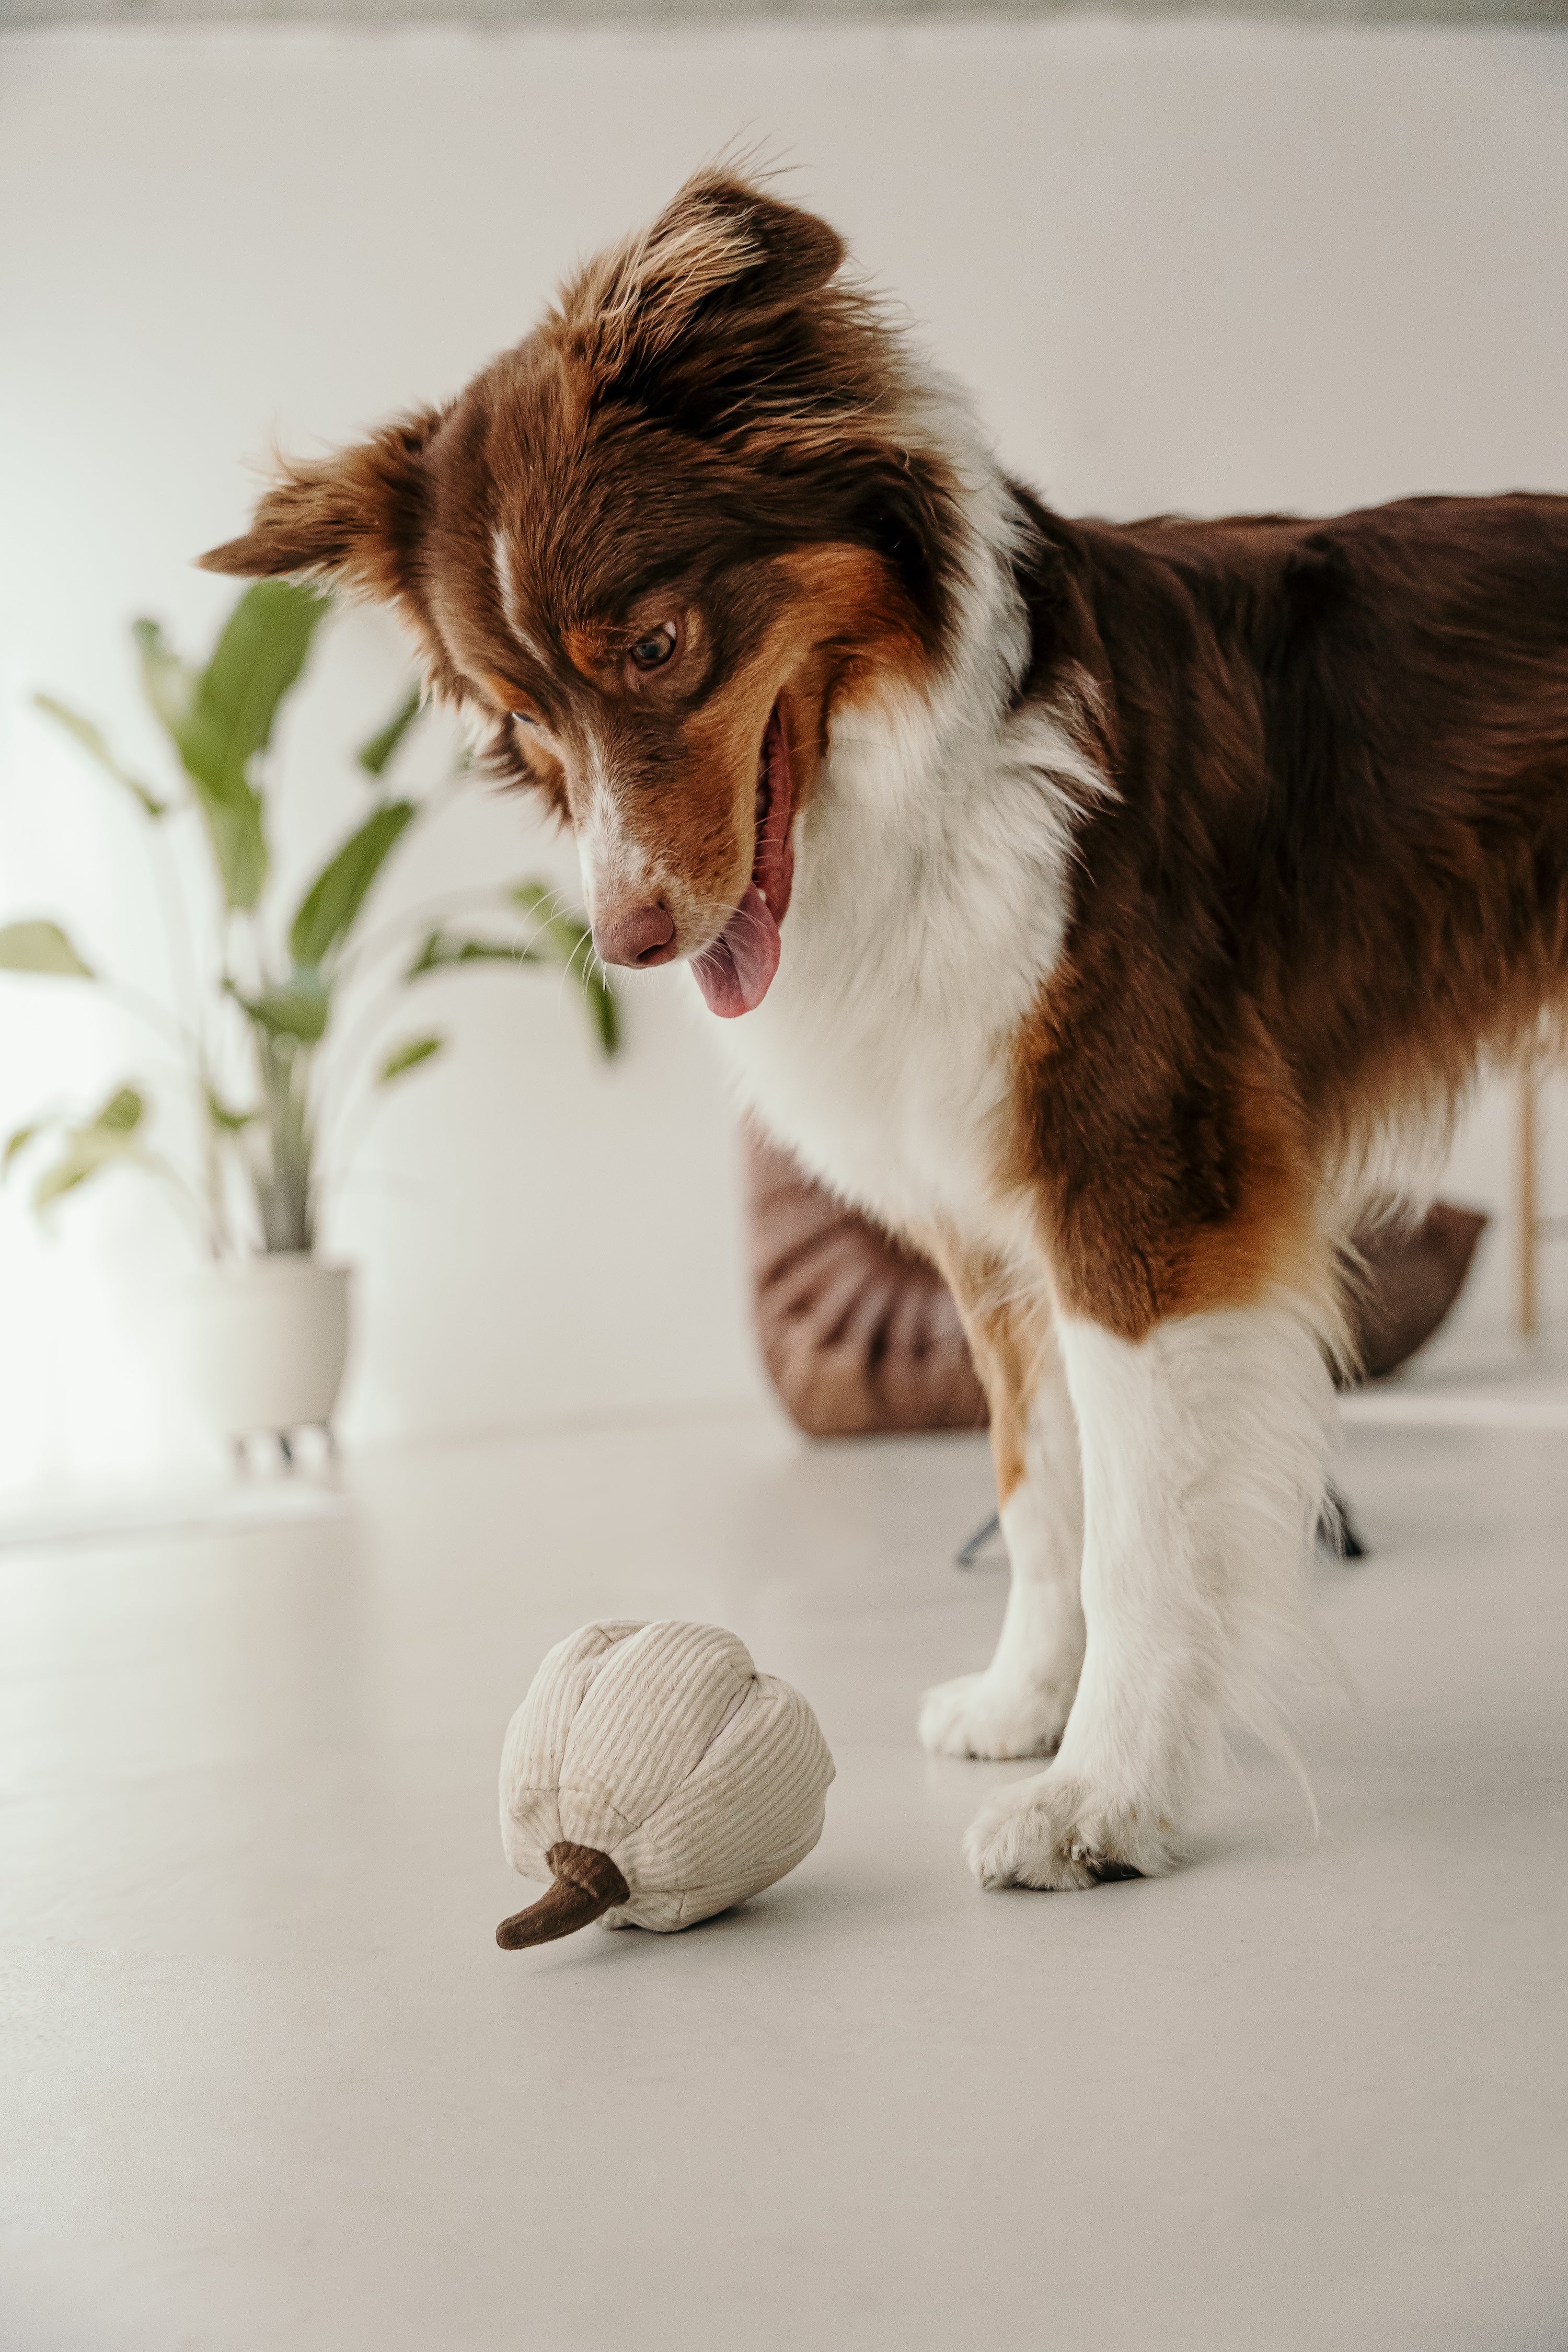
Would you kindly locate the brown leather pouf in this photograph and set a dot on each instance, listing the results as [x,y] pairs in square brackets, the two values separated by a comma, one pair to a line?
[861,1334]
[1411,1278]
[858,1333]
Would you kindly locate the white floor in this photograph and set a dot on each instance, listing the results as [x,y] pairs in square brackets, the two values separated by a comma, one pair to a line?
[270,2086]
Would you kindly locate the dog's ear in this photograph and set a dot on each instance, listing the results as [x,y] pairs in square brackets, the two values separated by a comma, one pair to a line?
[722,253]
[353,520]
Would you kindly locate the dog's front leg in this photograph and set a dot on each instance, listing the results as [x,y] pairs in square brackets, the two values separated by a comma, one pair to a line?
[1204,1451]
[1018,1705]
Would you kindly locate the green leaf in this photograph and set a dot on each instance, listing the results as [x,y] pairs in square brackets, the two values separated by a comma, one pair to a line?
[40,947]
[328,910]
[84,1157]
[375,755]
[558,939]
[121,1114]
[230,716]
[298,1008]
[407,1057]
[567,940]
[233,1122]
[603,1009]
[256,661]
[168,682]
[91,739]
[16,1143]
[111,1134]
[558,933]
[441,949]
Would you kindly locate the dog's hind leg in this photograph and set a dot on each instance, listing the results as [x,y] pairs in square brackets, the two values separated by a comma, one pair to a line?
[1204,1444]
[1018,1705]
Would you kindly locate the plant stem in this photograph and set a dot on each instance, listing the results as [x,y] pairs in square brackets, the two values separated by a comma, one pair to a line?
[284,1192]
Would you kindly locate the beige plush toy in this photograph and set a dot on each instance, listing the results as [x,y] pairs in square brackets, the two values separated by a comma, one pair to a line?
[653,1777]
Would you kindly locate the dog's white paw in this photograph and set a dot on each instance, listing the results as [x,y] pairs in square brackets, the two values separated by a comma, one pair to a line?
[990,1714]
[1058,1831]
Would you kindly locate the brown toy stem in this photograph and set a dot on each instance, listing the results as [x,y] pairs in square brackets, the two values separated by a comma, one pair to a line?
[586,1884]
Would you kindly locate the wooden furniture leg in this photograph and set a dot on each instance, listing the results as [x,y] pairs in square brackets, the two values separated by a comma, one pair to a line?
[1527,1204]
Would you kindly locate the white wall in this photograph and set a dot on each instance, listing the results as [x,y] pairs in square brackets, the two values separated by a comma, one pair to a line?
[1184,264]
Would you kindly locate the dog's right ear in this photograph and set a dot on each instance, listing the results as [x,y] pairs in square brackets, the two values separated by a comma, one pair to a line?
[353,520]
[723,254]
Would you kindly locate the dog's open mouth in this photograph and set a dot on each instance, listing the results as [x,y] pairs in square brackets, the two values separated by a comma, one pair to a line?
[736,972]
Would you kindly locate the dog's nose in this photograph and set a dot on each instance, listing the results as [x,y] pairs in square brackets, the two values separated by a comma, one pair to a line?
[636,935]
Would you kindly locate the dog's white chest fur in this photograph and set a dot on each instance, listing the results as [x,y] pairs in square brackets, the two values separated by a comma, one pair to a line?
[930,903]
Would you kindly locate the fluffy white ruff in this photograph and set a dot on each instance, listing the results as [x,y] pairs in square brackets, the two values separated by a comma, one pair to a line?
[931,900]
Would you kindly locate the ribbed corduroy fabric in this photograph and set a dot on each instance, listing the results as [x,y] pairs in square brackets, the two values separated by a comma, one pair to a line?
[662,1746]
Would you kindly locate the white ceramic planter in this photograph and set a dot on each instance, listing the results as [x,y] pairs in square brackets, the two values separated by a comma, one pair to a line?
[267,1341]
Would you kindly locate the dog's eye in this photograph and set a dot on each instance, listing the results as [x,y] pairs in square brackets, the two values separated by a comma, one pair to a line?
[525,717]
[654,650]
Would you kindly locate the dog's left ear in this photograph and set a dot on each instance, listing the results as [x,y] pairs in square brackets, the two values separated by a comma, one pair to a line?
[721,254]
[353,520]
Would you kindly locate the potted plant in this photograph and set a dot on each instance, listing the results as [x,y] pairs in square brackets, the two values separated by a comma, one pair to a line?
[268,988]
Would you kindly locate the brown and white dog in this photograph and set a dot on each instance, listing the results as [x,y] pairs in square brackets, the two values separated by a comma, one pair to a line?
[1143,884]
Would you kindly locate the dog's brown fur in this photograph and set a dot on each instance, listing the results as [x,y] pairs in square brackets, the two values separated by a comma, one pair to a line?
[1334,872]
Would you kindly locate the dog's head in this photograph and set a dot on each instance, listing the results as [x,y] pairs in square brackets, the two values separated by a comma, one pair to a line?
[651,549]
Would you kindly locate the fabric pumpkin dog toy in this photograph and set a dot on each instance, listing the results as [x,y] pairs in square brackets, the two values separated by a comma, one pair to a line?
[653,1777]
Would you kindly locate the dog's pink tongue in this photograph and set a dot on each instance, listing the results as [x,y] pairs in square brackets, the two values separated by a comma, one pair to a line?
[736,972]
